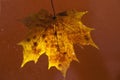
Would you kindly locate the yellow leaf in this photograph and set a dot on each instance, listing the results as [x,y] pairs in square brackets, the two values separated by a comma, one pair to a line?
[55,38]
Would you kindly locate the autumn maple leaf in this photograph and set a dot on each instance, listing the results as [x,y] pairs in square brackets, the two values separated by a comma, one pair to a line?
[55,38]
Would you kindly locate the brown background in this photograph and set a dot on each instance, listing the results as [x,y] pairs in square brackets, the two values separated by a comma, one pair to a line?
[103,64]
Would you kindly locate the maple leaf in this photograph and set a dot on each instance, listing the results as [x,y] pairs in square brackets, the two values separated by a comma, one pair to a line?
[55,38]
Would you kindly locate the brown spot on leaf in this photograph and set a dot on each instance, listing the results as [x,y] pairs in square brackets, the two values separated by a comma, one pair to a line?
[44,35]
[86,37]
[28,39]
[35,44]
[34,37]
[65,53]
[45,41]
[59,65]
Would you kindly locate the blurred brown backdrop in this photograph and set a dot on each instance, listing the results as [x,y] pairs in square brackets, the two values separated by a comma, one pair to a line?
[103,64]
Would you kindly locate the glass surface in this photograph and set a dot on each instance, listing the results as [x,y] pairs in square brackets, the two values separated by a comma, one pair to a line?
[102,64]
